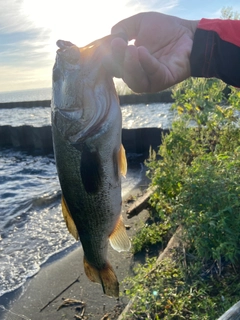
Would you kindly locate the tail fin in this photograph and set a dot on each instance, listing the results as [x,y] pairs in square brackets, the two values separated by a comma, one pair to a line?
[105,276]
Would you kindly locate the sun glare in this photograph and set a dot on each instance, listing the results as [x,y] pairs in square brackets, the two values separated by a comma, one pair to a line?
[77,21]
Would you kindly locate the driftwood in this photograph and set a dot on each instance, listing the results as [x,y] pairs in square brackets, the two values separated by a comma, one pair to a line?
[140,204]
[72,302]
[233,313]
[174,243]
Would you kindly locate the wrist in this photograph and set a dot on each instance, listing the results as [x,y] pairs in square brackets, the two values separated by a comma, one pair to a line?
[191,25]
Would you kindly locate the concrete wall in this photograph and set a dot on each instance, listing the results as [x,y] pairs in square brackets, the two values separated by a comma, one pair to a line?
[27,138]
[164,96]
[39,139]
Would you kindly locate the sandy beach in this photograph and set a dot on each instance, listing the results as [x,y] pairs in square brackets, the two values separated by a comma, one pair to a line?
[63,277]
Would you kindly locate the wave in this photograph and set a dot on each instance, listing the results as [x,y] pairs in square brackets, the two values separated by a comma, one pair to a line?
[35,230]
[32,227]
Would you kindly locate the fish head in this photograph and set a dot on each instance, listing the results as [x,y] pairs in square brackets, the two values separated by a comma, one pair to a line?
[83,90]
[74,68]
[66,72]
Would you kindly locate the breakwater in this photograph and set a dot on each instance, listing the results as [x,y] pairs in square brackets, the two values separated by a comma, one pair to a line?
[164,96]
[39,139]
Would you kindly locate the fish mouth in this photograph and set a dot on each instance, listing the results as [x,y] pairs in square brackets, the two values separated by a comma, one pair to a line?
[62,44]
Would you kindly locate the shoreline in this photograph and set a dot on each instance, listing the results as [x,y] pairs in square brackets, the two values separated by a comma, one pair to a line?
[13,295]
[63,269]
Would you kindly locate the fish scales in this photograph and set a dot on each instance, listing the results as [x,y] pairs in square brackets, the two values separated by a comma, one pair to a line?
[91,226]
[86,128]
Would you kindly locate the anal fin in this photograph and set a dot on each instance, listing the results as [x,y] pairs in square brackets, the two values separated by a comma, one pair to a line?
[69,220]
[105,276]
[119,239]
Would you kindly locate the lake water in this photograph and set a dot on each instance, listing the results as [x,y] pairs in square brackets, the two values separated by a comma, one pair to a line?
[157,115]
[26,95]
[31,224]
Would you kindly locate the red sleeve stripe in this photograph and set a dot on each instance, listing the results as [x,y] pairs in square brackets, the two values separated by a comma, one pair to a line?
[228,30]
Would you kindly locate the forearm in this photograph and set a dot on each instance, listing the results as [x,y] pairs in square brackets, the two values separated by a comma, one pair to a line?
[216,50]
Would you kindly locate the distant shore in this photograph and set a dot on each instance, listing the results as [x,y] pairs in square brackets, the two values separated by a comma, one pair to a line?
[164,96]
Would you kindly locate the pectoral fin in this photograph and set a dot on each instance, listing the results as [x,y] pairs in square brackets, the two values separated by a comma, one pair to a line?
[69,220]
[119,239]
[122,161]
[105,276]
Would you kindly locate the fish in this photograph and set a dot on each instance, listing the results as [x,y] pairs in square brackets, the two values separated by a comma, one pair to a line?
[89,155]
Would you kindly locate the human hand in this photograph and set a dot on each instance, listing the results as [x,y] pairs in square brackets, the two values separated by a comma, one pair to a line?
[160,55]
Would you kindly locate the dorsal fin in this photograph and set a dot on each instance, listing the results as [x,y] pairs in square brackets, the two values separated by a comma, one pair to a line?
[119,239]
[69,220]
[122,161]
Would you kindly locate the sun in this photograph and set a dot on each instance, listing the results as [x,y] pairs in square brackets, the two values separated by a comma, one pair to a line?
[78,21]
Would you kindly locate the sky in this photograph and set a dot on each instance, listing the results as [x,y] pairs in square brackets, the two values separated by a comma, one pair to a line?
[29,30]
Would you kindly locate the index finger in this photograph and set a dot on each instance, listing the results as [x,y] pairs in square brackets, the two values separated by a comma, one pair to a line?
[129,26]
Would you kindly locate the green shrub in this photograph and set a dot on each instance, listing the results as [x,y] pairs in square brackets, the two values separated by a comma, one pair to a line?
[208,206]
[148,235]
[197,178]
[164,291]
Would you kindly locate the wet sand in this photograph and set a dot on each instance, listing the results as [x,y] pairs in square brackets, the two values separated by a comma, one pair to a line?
[45,289]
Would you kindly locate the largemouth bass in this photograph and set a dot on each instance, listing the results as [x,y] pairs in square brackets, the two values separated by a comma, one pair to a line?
[90,159]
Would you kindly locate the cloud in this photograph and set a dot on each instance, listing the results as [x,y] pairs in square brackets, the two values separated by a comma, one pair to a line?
[12,17]
[18,78]
[25,59]
[23,47]
[25,65]
[154,5]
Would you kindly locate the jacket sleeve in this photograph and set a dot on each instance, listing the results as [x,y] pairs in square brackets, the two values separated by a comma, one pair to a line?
[216,50]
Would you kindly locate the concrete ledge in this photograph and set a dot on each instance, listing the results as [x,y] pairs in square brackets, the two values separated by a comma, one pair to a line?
[164,96]
[25,104]
[27,138]
[39,139]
